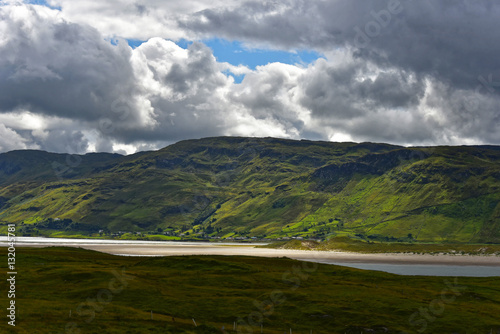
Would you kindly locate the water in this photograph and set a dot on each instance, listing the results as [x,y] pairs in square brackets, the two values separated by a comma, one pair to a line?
[423,269]
[163,248]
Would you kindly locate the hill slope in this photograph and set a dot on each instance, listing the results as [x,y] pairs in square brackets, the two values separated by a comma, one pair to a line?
[229,186]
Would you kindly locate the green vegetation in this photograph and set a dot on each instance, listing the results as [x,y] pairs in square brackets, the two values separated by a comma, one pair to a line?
[359,246]
[218,290]
[258,187]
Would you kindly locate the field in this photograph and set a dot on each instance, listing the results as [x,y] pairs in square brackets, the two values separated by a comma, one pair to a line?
[69,290]
[360,246]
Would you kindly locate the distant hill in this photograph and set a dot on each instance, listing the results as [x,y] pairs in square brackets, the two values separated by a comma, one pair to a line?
[232,186]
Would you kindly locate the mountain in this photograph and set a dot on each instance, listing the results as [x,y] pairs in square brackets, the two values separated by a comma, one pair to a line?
[233,186]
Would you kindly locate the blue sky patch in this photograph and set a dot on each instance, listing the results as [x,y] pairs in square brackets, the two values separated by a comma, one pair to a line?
[236,54]
[41,3]
[134,43]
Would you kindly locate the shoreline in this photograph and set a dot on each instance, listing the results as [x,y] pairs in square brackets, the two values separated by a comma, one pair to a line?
[159,249]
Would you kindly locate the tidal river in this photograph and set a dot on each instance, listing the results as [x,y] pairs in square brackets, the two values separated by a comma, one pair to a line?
[402,264]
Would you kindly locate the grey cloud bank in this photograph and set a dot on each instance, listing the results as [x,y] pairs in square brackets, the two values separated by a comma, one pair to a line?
[424,74]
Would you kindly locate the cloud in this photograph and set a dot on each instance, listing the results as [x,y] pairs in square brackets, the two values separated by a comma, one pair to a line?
[58,68]
[192,97]
[141,20]
[67,89]
[452,40]
[11,140]
[30,130]
[67,86]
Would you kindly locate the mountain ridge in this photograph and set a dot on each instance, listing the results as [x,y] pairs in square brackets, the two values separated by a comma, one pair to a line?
[264,187]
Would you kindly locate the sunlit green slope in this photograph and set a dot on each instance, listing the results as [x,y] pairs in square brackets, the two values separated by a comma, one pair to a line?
[230,186]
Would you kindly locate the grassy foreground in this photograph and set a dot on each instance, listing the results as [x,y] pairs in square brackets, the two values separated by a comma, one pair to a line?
[112,294]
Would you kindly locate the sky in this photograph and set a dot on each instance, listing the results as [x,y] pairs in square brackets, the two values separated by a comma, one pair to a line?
[124,76]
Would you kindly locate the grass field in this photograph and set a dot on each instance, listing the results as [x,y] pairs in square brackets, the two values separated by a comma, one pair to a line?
[352,245]
[112,294]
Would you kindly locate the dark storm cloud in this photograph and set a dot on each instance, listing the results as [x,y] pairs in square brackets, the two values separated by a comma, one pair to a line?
[481,123]
[286,24]
[437,74]
[59,68]
[64,141]
[392,90]
[353,89]
[452,40]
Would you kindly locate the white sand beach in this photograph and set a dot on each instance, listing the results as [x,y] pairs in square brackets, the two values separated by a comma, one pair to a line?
[145,248]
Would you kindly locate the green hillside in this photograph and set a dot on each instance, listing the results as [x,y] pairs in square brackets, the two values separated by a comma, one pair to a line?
[264,187]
